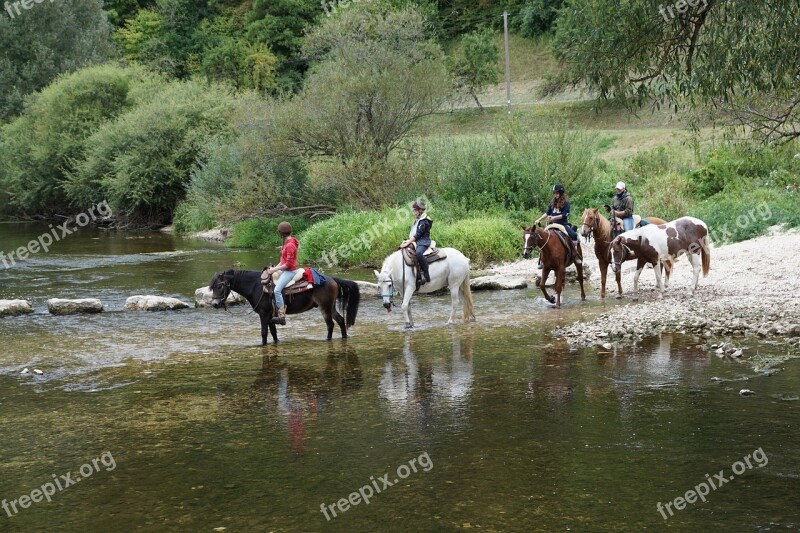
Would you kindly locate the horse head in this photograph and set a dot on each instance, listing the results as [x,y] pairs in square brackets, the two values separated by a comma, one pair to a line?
[386,288]
[528,241]
[220,289]
[589,221]
[619,253]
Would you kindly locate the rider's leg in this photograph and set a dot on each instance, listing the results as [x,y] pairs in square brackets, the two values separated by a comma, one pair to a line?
[423,263]
[627,223]
[574,239]
[283,280]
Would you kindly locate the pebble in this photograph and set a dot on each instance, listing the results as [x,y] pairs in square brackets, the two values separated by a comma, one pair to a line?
[746,392]
[25,371]
[37,372]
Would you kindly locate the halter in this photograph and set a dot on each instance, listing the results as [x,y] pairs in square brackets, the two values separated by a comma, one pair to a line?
[549,233]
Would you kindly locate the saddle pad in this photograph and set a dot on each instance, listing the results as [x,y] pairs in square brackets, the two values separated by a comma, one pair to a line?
[298,287]
[559,227]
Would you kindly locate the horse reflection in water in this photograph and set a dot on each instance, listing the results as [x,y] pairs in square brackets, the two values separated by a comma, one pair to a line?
[413,390]
[297,392]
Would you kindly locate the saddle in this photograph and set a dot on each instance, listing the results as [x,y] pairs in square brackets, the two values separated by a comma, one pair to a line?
[617,227]
[563,236]
[298,284]
[431,255]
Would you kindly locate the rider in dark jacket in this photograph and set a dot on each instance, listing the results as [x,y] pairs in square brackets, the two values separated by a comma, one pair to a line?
[558,213]
[421,235]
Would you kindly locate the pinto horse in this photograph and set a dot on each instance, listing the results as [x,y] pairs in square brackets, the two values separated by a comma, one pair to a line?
[248,284]
[554,257]
[600,228]
[662,244]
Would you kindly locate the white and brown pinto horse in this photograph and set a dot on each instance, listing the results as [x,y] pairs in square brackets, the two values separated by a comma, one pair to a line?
[592,222]
[662,244]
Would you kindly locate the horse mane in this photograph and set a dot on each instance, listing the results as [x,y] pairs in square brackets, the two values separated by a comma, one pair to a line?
[603,227]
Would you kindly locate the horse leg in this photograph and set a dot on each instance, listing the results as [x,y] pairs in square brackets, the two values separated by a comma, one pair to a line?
[265,323]
[543,284]
[603,273]
[696,264]
[340,320]
[274,331]
[639,268]
[455,288]
[560,275]
[618,277]
[326,315]
[407,308]
[580,282]
[659,286]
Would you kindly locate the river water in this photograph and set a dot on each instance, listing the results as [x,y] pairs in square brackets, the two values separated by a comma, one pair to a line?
[493,425]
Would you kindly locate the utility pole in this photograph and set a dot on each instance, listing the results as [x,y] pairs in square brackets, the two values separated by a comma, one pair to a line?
[508,67]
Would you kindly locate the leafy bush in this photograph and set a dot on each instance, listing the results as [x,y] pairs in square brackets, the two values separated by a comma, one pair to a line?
[141,162]
[41,147]
[262,232]
[743,167]
[748,214]
[516,173]
[366,238]
[251,171]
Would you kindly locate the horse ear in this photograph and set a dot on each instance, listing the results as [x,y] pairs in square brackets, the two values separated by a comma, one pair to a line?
[377,274]
[523,228]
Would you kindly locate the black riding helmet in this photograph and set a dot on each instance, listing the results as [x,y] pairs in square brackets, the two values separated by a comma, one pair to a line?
[558,188]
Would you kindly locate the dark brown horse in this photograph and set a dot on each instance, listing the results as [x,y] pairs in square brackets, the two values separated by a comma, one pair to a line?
[248,284]
[554,256]
[600,228]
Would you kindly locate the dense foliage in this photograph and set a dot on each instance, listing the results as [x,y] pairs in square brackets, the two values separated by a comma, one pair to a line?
[49,39]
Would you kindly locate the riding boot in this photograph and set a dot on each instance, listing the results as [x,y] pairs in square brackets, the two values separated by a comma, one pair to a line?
[281,318]
[576,257]
[423,266]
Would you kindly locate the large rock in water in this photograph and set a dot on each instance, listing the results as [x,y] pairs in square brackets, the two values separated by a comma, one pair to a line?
[153,303]
[367,288]
[202,298]
[497,282]
[59,306]
[15,307]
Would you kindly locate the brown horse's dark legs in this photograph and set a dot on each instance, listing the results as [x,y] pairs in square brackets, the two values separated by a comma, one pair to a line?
[340,320]
[274,331]
[543,285]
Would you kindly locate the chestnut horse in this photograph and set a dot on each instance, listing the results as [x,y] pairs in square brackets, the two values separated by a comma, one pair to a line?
[600,228]
[554,257]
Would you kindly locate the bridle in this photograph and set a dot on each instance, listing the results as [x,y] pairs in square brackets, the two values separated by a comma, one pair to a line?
[625,252]
[225,286]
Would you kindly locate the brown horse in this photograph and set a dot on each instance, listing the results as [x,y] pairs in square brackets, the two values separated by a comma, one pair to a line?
[554,256]
[600,228]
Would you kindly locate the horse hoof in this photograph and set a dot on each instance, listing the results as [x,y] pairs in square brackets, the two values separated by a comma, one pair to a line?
[619,297]
[552,300]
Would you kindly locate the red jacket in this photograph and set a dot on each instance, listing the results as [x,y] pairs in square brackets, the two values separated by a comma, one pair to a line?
[289,253]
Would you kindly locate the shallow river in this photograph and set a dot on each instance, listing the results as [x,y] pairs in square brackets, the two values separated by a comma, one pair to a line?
[181,421]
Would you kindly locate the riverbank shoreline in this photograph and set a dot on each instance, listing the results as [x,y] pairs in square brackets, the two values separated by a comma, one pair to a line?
[752,290]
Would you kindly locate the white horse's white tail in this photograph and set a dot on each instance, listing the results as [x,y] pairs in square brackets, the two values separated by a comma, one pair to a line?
[466,292]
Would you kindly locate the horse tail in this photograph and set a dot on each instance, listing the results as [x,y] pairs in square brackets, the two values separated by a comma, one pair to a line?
[349,296]
[705,253]
[469,314]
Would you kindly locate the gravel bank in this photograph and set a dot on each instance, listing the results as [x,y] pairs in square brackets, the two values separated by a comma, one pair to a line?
[753,289]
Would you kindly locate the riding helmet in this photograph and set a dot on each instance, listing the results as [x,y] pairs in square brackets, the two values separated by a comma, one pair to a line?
[558,188]
[284,228]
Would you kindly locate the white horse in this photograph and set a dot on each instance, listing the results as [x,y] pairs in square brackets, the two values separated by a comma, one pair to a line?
[452,272]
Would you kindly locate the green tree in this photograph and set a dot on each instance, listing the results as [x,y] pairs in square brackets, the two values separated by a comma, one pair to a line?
[141,162]
[280,25]
[41,146]
[739,56]
[475,68]
[536,17]
[50,39]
